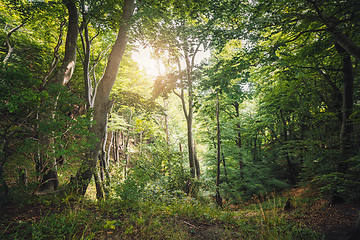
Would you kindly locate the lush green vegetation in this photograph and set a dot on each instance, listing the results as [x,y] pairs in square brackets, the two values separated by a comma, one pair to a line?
[155,213]
[101,148]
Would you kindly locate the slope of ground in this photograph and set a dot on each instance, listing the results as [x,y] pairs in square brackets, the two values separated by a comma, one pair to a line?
[335,222]
[91,221]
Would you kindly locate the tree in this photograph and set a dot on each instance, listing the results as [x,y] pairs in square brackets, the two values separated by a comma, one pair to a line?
[286,36]
[183,44]
[102,104]
[47,169]
[30,14]
[18,101]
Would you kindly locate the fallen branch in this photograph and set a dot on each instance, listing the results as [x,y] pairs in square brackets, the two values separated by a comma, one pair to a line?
[190,224]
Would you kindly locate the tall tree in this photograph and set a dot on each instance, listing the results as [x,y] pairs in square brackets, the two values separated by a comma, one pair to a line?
[181,47]
[102,104]
[346,132]
[61,77]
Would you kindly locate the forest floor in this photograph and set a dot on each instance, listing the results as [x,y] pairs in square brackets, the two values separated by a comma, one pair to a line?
[335,222]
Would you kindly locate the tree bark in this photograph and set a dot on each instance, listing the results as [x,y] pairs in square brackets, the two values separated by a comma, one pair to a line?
[86,64]
[189,121]
[99,191]
[104,170]
[218,137]
[340,38]
[47,165]
[291,168]
[102,103]
[189,115]
[346,145]
[116,149]
[197,165]
[355,234]
[109,148]
[86,47]
[67,68]
[3,158]
[166,123]
[238,141]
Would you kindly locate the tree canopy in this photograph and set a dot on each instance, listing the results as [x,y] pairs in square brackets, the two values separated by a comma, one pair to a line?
[275,105]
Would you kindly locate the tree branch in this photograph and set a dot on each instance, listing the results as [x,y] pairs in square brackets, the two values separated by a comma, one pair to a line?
[55,59]
[8,41]
[307,31]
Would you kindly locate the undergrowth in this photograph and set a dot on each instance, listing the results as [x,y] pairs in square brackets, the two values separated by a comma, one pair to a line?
[154,215]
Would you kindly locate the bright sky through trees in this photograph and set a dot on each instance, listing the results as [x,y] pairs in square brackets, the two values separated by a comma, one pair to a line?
[142,57]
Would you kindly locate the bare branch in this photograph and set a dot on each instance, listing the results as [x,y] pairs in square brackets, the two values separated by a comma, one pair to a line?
[55,59]
[92,39]
[8,41]
[194,54]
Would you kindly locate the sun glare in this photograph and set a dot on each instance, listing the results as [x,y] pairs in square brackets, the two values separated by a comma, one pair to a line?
[142,57]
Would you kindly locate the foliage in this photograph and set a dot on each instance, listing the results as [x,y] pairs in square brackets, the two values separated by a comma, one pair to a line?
[165,216]
[18,93]
[277,74]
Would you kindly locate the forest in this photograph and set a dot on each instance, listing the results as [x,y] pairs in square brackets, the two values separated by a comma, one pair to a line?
[238,119]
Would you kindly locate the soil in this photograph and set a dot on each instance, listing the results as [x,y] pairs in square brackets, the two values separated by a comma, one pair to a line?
[335,222]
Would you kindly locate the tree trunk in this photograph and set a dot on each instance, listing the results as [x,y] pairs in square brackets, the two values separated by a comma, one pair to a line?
[47,165]
[22,176]
[190,144]
[102,103]
[102,158]
[86,64]
[126,146]
[166,123]
[288,160]
[99,191]
[126,155]
[116,148]
[197,165]
[63,76]
[86,47]
[355,234]
[4,189]
[340,38]
[346,145]
[225,172]
[218,197]
[104,168]
[254,149]
[238,141]
[189,114]
[189,120]
[109,149]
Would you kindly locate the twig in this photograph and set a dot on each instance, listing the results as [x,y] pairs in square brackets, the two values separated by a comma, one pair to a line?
[190,224]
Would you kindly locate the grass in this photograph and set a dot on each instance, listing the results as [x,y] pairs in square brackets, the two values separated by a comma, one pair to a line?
[162,216]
